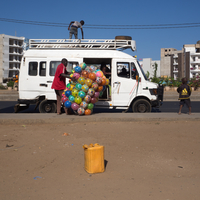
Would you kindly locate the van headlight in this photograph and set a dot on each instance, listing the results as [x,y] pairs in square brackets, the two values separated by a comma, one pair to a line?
[153,91]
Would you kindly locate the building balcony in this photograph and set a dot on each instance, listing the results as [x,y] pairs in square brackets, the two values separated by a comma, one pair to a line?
[16,46]
[14,61]
[194,54]
[195,70]
[16,54]
[14,69]
[195,62]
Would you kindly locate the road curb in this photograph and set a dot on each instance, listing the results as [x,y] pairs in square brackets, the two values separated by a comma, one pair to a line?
[31,119]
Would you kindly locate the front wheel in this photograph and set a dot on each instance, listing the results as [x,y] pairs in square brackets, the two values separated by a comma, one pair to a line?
[47,107]
[141,106]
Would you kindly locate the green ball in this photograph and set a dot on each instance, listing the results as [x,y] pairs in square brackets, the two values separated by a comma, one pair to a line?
[90,106]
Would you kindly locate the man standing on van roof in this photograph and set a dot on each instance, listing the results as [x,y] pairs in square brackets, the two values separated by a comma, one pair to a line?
[59,84]
[73,30]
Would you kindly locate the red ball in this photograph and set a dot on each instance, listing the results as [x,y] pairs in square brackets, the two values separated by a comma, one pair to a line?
[64,99]
[93,100]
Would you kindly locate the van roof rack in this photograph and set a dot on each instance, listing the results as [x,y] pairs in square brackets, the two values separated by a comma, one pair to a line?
[104,44]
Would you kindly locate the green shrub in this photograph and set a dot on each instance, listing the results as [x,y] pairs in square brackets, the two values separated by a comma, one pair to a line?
[168,81]
[155,80]
[10,84]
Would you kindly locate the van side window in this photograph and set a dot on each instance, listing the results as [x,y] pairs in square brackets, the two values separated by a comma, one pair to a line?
[54,64]
[71,65]
[123,70]
[134,71]
[32,69]
[42,70]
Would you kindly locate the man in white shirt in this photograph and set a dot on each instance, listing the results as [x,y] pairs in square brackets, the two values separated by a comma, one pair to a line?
[73,29]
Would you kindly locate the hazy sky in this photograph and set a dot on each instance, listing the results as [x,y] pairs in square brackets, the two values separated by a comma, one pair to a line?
[145,21]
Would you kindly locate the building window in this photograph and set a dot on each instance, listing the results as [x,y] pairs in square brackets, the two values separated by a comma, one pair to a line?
[10,66]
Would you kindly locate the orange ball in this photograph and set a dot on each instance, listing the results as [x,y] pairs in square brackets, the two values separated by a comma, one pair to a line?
[103,82]
[88,112]
[84,73]
[99,89]
[92,76]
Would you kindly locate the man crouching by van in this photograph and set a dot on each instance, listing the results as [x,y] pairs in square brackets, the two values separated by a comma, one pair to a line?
[59,84]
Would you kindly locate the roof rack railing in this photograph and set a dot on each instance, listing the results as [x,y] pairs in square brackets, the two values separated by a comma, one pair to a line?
[104,44]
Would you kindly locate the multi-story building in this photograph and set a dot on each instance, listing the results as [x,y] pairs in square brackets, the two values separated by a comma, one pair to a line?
[11,51]
[194,57]
[182,63]
[149,67]
[165,61]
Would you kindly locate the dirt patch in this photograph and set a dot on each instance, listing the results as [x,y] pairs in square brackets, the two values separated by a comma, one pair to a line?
[145,160]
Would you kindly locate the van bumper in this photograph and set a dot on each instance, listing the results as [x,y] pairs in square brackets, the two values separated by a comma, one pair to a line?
[159,101]
[24,103]
[156,103]
[160,92]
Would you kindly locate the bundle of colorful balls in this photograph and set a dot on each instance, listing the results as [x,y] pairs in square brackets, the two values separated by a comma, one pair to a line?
[84,92]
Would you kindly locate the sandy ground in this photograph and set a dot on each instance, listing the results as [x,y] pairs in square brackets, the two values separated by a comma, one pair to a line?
[145,160]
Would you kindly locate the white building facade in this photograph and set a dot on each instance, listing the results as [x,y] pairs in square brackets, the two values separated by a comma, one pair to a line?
[148,65]
[181,63]
[194,58]
[11,51]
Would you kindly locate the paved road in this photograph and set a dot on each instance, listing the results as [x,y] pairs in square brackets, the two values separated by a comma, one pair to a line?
[6,95]
[168,106]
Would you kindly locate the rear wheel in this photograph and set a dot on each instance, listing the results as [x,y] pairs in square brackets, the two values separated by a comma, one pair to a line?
[47,107]
[141,106]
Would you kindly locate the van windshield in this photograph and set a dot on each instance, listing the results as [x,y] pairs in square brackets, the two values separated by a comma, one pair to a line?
[142,71]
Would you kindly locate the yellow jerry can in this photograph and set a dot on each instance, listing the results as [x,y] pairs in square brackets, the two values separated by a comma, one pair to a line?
[94,158]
